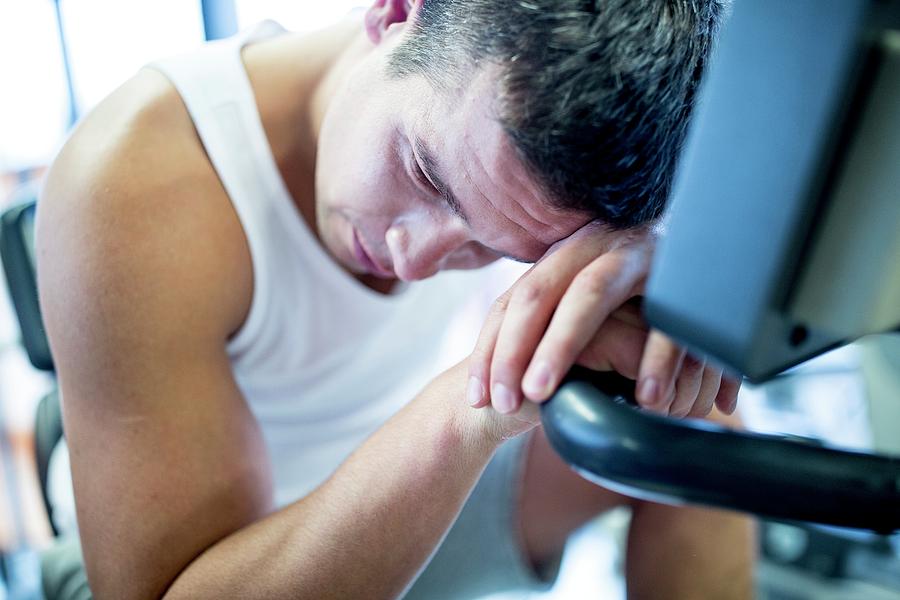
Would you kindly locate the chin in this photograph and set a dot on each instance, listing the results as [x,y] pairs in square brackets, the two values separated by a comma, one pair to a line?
[331,242]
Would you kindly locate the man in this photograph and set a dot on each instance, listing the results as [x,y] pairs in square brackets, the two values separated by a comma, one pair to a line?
[245,419]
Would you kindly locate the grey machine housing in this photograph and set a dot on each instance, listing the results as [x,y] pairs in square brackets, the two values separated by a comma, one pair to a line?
[783,237]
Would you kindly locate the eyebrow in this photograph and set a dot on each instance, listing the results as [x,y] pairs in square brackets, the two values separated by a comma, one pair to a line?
[430,168]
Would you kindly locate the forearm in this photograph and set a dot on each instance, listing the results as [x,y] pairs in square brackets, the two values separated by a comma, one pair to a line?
[370,528]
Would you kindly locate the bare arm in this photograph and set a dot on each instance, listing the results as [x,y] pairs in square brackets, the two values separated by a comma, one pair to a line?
[370,528]
[144,274]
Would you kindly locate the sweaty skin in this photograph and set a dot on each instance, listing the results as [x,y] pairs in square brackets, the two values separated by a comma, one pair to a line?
[145,273]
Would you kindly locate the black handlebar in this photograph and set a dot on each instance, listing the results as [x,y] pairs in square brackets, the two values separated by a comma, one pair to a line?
[594,424]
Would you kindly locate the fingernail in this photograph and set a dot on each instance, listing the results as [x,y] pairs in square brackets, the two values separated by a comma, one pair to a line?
[502,398]
[647,392]
[474,391]
[537,380]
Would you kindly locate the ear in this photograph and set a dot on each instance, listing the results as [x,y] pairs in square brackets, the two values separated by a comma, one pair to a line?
[385,13]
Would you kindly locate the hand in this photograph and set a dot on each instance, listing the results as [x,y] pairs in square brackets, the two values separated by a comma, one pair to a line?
[570,308]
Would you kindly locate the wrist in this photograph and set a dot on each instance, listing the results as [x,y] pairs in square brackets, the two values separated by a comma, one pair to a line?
[485,427]
[466,427]
[476,427]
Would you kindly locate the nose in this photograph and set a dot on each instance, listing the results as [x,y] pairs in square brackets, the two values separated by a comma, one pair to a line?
[420,248]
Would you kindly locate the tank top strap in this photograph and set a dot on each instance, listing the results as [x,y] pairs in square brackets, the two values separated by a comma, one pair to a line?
[216,91]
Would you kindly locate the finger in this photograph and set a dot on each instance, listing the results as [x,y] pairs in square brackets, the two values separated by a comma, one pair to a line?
[726,399]
[618,345]
[660,365]
[596,291]
[630,313]
[529,310]
[712,381]
[480,359]
[533,301]
[687,387]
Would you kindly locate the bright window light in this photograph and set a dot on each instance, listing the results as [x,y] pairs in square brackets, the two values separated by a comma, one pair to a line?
[109,40]
[33,105]
[295,15]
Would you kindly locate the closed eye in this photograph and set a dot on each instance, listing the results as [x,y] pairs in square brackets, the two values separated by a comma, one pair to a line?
[427,177]
[426,165]
[420,176]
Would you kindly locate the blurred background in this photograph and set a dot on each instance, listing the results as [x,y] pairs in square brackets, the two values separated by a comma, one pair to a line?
[58,58]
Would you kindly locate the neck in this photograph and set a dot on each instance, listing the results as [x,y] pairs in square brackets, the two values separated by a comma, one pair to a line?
[294,78]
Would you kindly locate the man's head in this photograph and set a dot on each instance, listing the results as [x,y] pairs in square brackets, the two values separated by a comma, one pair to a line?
[539,116]
[595,94]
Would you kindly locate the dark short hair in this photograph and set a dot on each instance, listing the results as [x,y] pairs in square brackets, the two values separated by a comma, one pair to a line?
[596,95]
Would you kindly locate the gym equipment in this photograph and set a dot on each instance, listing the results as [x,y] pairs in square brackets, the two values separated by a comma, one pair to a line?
[17,254]
[783,242]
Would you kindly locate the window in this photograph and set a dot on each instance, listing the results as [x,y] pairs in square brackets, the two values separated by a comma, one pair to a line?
[33,103]
[109,40]
[296,16]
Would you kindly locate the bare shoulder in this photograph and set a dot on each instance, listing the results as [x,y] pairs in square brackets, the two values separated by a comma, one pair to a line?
[132,202]
[143,273]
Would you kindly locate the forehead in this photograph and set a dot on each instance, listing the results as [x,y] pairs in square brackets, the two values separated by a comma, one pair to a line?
[481,165]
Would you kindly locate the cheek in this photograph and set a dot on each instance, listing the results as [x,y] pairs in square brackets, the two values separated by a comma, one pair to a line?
[356,165]
[471,256]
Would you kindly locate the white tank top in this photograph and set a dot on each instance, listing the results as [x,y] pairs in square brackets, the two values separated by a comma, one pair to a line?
[322,360]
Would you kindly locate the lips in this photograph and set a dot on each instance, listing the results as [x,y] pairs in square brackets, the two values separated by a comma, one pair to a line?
[368,262]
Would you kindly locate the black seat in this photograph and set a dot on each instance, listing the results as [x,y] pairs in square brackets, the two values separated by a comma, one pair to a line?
[17,254]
